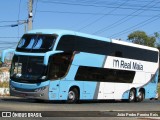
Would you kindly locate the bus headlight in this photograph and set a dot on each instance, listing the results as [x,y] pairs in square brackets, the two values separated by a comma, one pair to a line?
[43,77]
[40,89]
[12,88]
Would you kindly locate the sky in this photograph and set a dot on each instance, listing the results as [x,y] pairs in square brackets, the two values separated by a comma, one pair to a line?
[107,18]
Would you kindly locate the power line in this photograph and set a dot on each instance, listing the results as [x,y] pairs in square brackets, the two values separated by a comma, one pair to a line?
[103,16]
[124,19]
[143,23]
[95,5]
[90,13]
[141,0]
[6,44]
[13,25]
[88,1]
[144,7]
[90,18]
[7,21]
[3,48]
[6,26]
[10,37]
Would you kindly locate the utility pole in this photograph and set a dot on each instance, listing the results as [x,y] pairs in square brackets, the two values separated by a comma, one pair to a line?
[30,14]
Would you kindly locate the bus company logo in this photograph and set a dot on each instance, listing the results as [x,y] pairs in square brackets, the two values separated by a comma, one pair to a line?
[127,65]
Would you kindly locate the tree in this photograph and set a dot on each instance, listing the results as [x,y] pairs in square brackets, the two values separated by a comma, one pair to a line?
[140,37]
[157,36]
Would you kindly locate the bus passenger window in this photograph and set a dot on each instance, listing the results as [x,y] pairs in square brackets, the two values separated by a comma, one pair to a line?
[118,54]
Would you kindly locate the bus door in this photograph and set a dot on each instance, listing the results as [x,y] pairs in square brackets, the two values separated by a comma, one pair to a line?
[58,67]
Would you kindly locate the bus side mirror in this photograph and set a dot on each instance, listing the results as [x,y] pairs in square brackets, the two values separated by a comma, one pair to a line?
[4,54]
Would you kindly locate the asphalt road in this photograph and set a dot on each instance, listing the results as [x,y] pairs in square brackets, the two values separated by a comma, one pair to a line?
[95,109]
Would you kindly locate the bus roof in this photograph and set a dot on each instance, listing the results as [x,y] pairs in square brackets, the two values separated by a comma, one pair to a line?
[61,32]
[68,32]
[134,45]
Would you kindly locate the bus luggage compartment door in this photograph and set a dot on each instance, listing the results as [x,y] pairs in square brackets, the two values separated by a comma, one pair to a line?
[89,90]
[108,91]
[54,88]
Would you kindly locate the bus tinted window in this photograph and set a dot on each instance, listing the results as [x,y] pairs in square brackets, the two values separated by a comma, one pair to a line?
[77,43]
[104,75]
[36,43]
[59,64]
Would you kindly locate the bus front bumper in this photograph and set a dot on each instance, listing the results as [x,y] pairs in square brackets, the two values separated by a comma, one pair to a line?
[39,93]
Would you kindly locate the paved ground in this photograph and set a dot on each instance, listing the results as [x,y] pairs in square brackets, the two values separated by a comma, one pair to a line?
[100,108]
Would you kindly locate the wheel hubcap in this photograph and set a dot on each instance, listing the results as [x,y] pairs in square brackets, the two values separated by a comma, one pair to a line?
[140,95]
[131,96]
[71,95]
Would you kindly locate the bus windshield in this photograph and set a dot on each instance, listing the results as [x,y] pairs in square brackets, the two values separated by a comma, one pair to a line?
[28,68]
[36,43]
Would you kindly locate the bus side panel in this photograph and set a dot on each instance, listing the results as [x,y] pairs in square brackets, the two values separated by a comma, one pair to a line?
[59,90]
[87,89]
[108,90]
[90,91]
[88,59]
[121,91]
[65,86]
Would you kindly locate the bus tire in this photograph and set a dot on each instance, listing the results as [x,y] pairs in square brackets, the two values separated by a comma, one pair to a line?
[73,96]
[140,97]
[132,95]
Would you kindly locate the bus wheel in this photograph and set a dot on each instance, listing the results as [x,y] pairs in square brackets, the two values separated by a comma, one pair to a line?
[132,95]
[140,96]
[73,96]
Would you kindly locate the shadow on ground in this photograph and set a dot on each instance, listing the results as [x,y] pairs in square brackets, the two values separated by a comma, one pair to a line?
[64,102]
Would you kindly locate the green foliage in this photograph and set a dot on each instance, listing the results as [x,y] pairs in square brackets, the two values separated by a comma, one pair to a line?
[140,37]
[157,35]
[4,84]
